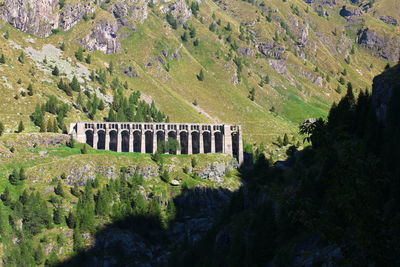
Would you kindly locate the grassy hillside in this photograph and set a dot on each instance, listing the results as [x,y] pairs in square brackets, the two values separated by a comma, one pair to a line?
[302,84]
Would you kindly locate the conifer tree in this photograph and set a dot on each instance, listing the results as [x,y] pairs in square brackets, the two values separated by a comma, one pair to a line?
[55,71]
[62,46]
[21,127]
[79,54]
[2,128]
[14,177]
[6,197]
[200,76]
[59,189]
[88,59]
[2,59]
[77,240]
[57,215]
[7,35]
[22,174]
[285,140]
[30,90]
[39,255]
[71,220]
[21,57]
[75,86]
[84,149]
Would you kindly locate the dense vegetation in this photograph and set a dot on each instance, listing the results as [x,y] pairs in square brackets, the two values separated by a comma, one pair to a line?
[342,192]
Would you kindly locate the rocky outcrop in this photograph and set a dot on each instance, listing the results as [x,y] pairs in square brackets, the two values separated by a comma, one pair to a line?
[40,17]
[132,9]
[103,37]
[389,20]
[382,90]
[179,10]
[72,13]
[350,12]
[272,50]
[216,170]
[385,46]
[37,17]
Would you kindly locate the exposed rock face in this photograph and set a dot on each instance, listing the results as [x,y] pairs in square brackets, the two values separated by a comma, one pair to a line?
[272,50]
[71,14]
[179,10]
[134,9]
[350,12]
[37,17]
[103,37]
[389,20]
[40,17]
[382,90]
[382,46]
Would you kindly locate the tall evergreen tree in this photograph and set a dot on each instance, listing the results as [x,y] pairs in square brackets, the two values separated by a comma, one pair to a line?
[21,127]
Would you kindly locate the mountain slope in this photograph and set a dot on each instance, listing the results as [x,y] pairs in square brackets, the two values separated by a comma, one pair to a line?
[302,51]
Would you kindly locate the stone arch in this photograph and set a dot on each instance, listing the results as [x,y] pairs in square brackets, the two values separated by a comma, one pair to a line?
[89,137]
[195,142]
[137,141]
[218,142]
[235,145]
[149,142]
[207,142]
[160,138]
[113,140]
[101,141]
[125,141]
[172,135]
[184,142]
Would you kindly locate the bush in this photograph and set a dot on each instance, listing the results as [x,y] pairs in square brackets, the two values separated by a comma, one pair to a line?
[84,149]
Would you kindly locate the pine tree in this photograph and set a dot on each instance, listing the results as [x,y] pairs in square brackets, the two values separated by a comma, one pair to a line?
[6,197]
[75,86]
[75,191]
[2,59]
[7,35]
[57,215]
[88,59]
[62,46]
[39,255]
[30,90]
[13,178]
[59,189]
[71,220]
[55,71]
[285,140]
[101,105]
[196,42]
[77,240]
[193,32]
[21,127]
[79,54]
[21,57]
[2,128]
[84,149]
[71,142]
[185,36]
[22,174]
[228,27]
[200,76]
[252,94]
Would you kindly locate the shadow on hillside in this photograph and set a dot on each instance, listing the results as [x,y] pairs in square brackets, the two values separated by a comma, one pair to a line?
[141,240]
